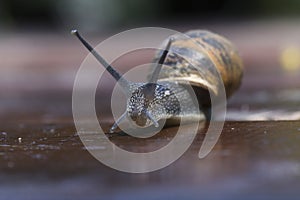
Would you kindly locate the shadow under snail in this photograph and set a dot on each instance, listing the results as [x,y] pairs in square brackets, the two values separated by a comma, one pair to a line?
[198,59]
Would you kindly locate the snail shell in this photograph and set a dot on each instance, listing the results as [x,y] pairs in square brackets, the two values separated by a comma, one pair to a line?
[199,59]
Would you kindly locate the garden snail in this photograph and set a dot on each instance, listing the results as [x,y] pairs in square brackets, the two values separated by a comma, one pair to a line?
[197,60]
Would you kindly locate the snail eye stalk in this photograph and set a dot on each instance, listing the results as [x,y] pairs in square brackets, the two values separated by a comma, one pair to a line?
[160,62]
[151,85]
[125,84]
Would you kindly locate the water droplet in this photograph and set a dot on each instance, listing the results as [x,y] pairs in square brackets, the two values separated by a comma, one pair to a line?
[94,148]
[39,156]
[4,133]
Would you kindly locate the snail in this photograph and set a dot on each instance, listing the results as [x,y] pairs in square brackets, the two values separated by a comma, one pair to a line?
[199,59]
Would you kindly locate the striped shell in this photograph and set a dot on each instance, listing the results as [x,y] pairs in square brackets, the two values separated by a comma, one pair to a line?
[198,58]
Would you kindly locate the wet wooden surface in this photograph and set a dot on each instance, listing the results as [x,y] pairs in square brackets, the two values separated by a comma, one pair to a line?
[251,159]
[42,156]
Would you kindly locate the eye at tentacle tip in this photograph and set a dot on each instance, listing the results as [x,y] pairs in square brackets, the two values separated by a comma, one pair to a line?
[74,31]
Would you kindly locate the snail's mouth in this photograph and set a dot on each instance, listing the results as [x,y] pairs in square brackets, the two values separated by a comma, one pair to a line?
[140,121]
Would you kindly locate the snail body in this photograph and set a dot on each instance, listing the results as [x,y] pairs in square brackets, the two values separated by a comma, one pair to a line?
[199,59]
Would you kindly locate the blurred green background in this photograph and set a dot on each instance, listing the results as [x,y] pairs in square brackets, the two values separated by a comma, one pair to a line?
[102,15]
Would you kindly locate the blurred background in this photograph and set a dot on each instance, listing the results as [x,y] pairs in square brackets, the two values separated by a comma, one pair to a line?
[37,53]
[103,15]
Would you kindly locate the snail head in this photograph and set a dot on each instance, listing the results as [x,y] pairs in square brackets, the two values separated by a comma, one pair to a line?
[151,102]
[146,102]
